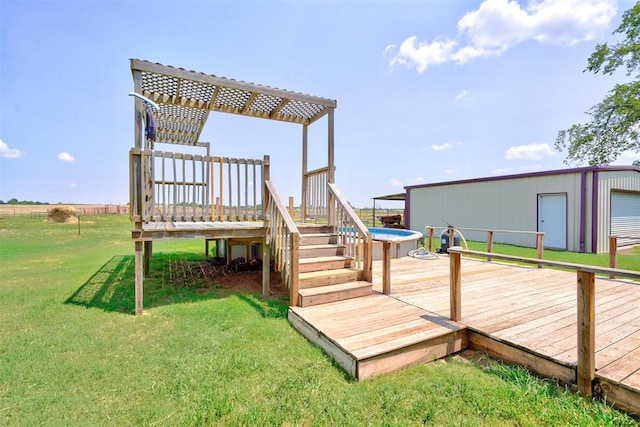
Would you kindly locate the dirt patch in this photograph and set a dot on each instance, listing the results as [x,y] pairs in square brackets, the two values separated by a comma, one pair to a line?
[203,276]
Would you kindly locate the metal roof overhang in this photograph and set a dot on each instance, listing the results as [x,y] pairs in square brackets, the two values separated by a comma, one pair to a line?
[397,197]
[187,97]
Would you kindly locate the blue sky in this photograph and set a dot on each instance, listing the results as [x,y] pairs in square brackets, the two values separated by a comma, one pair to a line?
[427,91]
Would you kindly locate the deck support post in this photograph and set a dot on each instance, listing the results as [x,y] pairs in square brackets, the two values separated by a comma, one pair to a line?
[386,267]
[455,286]
[613,252]
[293,268]
[148,251]
[586,332]
[139,276]
[266,267]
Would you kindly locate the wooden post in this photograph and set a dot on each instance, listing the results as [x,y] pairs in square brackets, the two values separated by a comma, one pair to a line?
[613,252]
[586,332]
[455,286]
[293,273]
[148,251]
[386,267]
[266,267]
[331,169]
[305,189]
[139,276]
[430,239]
[291,206]
[489,243]
[540,246]
[78,225]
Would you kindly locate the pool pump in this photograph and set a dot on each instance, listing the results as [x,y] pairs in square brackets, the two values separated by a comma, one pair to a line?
[445,239]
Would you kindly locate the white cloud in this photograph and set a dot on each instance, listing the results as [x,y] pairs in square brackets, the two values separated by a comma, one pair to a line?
[9,153]
[66,157]
[498,25]
[627,158]
[464,94]
[73,185]
[522,169]
[413,181]
[531,151]
[450,171]
[442,147]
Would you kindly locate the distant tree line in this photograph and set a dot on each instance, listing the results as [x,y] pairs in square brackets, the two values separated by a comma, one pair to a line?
[23,202]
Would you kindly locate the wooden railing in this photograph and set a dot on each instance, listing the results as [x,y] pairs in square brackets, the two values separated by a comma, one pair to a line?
[314,194]
[613,250]
[283,239]
[352,233]
[585,302]
[169,186]
[490,233]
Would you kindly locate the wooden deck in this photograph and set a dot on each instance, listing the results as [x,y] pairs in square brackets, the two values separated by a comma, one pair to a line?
[522,315]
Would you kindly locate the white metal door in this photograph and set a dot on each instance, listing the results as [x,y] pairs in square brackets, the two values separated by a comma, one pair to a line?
[552,219]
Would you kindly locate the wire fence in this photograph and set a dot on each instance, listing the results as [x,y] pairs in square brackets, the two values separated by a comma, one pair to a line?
[42,211]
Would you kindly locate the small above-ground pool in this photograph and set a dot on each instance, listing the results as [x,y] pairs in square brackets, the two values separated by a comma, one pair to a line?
[402,241]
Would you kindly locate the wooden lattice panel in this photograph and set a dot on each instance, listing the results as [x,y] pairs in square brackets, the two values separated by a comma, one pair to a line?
[187,97]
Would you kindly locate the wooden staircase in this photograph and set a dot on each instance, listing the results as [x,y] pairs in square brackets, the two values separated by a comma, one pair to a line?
[326,274]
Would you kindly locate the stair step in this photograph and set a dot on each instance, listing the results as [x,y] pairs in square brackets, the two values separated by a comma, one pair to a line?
[332,293]
[324,263]
[318,239]
[312,251]
[314,228]
[336,276]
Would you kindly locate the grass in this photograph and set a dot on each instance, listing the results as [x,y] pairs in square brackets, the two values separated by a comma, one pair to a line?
[71,352]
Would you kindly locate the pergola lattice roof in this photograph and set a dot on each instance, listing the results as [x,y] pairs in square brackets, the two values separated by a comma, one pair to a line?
[187,97]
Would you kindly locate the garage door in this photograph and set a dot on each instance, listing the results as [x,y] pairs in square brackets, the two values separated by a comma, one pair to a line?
[625,216]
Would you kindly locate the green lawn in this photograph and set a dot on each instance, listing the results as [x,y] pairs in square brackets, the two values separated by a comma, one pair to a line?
[72,353]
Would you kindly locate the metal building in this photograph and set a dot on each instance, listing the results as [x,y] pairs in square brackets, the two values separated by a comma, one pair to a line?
[577,208]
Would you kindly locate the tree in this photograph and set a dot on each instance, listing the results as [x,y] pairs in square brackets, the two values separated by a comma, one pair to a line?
[615,121]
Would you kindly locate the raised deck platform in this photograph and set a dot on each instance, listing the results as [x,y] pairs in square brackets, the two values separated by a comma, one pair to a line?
[522,315]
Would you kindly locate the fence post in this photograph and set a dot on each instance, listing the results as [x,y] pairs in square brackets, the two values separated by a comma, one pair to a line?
[455,286]
[586,332]
[489,243]
[540,246]
[430,239]
[386,267]
[613,252]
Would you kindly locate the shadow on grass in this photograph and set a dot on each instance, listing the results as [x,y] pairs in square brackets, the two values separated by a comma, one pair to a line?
[175,278]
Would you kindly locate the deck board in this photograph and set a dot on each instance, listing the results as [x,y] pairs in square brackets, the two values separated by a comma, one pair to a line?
[522,312]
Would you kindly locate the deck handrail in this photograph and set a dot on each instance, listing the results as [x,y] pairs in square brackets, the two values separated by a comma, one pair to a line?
[490,232]
[173,186]
[314,197]
[283,239]
[353,233]
[586,303]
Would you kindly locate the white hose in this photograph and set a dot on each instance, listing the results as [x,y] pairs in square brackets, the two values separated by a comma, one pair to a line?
[422,253]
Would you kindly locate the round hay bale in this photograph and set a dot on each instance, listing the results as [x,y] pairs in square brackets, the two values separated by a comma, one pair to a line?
[62,214]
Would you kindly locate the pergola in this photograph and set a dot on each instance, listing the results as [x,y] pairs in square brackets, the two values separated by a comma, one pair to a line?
[186,98]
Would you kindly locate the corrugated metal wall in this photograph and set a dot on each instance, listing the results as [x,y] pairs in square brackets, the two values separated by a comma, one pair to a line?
[511,204]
